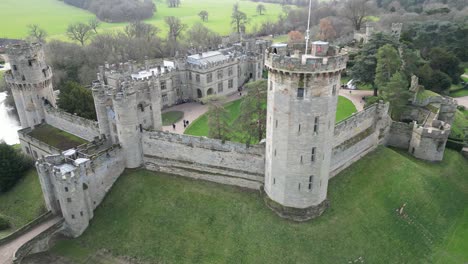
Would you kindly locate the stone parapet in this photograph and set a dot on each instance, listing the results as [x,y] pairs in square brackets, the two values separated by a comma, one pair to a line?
[306,64]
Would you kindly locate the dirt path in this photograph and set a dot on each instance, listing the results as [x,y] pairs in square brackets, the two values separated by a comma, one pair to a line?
[356,97]
[7,250]
[462,101]
[191,112]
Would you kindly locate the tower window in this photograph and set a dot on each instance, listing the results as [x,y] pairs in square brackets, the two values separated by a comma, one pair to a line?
[197,77]
[275,153]
[66,189]
[163,85]
[271,85]
[299,129]
[301,159]
[23,78]
[300,93]
[312,158]
[209,77]
[299,187]
[276,124]
[30,63]
[316,124]
[334,90]
[81,213]
[69,200]
[73,216]
[274,180]
[310,182]
[15,68]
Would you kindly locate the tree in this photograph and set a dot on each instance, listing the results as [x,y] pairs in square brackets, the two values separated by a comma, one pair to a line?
[94,23]
[397,93]
[175,29]
[365,63]
[141,30]
[238,19]
[218,117]
[261,9]
[173,3]
[388,63]
[295,37]
[326,30]
[79,32]
[356,12]
[75,99]
[37,34]
[201,37]
[13,165]
[445,62]
[252,118]
[203,15]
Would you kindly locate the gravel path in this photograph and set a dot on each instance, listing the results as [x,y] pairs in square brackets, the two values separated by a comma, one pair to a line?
[462,101]
[7,250]
[356,97]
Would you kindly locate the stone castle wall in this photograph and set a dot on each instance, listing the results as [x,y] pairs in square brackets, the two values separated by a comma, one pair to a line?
[34,147]
[400,135]
[207,159]
[75,125]
[355,137]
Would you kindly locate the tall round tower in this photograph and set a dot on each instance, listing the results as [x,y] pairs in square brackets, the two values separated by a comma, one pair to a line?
[128,128]
[30,80]
[302,100]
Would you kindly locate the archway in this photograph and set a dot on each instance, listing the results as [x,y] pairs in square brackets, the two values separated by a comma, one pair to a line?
[210,91]
[199,93]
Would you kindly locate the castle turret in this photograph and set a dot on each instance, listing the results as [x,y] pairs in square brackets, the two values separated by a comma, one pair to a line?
[128,129]
[302,100]
[100,103]
[30,80]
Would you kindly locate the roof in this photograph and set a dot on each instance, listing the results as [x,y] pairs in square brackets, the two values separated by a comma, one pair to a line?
[206,58]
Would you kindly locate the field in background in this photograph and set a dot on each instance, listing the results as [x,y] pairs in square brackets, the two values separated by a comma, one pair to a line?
[54,16]
[167,219]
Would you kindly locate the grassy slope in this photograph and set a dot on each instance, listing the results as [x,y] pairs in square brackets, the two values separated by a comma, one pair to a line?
[56,137]
[459,124]
[23,202]
[199,127]
[54,16]
[176,220]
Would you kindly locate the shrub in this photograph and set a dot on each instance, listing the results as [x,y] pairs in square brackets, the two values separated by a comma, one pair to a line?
[13,165]
[4,224]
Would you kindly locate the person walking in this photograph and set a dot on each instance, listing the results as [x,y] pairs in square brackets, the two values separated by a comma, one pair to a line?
[173,126]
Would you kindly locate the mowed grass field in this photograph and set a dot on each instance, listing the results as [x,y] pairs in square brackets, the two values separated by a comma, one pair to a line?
[54,16]
[199,127]
[22,203]
[162,218]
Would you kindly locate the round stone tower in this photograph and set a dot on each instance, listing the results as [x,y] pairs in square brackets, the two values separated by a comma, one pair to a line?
[302,100]
[128,129]
[30,80]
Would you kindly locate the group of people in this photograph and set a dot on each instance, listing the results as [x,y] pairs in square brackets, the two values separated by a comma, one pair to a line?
[185,122]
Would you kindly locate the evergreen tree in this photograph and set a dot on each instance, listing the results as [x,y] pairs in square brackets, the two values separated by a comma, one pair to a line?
[13,165]
[252,118]
[388,62]
[397,93]
[78,100]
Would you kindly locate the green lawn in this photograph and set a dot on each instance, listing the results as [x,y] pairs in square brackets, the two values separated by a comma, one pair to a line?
[460,124]
[23,202]
[166,219]
[459,93]
[171,117]
[199,127]
[54,16]
[56,137]
[345,108]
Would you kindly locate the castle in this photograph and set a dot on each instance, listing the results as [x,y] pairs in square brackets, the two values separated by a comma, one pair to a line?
[303,149]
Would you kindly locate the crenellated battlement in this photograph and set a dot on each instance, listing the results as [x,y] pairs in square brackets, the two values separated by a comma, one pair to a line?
[437,130]
[28,50]
[323,59]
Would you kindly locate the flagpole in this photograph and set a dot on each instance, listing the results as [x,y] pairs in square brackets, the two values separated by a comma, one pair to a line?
[307,37]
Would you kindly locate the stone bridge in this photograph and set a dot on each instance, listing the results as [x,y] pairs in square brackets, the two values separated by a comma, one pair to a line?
[27,239]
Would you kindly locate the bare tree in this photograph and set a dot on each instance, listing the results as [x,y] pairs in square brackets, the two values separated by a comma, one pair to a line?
[238,19]
[260,9]
[141,30]
[326,30]
[203,15]
[94,23]
[175,29]
[36,33]
[173,3]
[201,37]
[252,118]
[80,32]
[357,11]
